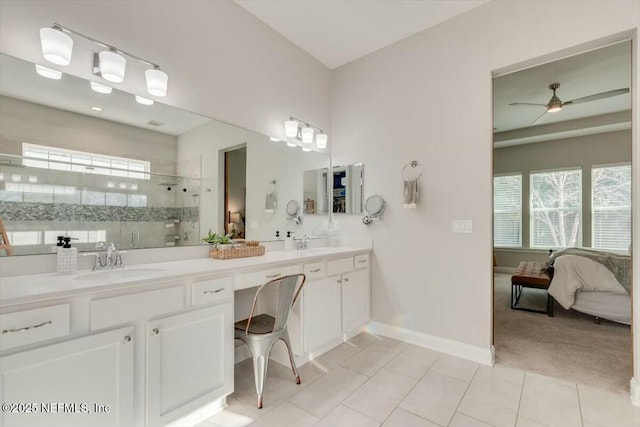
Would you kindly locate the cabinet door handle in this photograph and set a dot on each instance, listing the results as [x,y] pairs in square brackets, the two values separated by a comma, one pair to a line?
[27,328]
[315,270]
[362,261]
[215,291]
[273,276]
[346,279]
[338,281]
[156,331]
[127,338]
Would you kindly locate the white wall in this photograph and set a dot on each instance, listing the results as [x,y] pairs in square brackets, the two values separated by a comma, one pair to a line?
[222,61]
[428,98]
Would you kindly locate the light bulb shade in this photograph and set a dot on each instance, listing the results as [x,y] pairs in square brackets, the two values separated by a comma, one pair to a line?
[307,135]
[100,88]
[291,144]
[112,66]
[48,72]
[306,149]
[321,140]
[291,128]
[144,101]
[156,82]
[56,46]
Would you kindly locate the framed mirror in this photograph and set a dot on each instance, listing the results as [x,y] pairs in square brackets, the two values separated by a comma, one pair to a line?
[346,196]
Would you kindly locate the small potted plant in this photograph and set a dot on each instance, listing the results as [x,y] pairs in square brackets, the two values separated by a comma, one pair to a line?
[219,240]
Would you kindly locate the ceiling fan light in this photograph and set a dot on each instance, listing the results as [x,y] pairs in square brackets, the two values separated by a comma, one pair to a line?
[307,135]
[56,46]
[49,73]
[554,109]
[112,66]
[291,128]
[321,140]
[100,88]
[156,81]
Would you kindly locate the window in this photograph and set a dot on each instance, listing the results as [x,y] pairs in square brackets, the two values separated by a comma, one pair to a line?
[556,204]
[611,207]
[41,156]
[507,211]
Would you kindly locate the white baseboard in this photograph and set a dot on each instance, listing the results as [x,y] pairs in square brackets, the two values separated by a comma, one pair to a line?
[634,387]
[200,414]
[455,348]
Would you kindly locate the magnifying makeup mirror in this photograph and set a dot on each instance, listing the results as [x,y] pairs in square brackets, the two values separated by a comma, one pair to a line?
[374,205]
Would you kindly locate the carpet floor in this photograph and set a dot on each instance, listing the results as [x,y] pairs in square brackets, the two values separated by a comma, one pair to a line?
[569,345]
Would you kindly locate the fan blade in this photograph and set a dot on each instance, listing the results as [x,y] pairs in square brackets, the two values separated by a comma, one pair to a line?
[597,96]
[528,103]
[539,117]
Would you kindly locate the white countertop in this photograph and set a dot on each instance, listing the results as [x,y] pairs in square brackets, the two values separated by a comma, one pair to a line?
[31,288]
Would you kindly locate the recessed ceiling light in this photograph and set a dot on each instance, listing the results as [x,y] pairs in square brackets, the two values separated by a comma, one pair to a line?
[110,184]
[95,108]
[49,73]
[100,88]
[275,139]
[144,101]
[33,178]
[122,185]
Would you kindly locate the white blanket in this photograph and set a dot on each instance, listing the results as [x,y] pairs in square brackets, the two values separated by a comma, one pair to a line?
[576,273]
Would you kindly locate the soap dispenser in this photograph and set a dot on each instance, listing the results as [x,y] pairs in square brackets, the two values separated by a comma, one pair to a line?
[67,258]
[54,249]
[288,241]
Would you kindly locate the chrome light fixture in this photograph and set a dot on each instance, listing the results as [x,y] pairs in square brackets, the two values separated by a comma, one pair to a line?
[56,45]
[110,63]
[49,73]
[100,88]
[304,132]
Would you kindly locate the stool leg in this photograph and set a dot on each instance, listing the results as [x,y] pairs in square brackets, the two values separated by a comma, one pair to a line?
[285,338]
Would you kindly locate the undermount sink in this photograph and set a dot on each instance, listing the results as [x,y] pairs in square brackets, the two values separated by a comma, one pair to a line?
[118,274]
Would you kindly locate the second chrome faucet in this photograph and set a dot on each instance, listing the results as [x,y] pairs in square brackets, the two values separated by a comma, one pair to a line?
[110,252]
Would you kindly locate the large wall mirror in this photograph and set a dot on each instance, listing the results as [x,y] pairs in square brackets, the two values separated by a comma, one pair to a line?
[104,167]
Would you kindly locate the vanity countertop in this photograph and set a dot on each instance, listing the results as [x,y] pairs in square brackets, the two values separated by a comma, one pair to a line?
[31,288]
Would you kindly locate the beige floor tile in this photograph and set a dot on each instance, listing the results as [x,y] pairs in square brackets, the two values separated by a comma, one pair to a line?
[461,420]
[492,401]
[286,414]
[346,417]
[371,359]
[455,367]
[334,357]
[363,340]
[550,401]
[279,386]
[603,408]
[526,422]
[435,397]
[391,343]
[414,361]
[503,373]
[236,414]
[402,418]
[328,391]
[379,396]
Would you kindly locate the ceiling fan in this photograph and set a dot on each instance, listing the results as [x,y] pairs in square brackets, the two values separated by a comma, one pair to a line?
[555,104]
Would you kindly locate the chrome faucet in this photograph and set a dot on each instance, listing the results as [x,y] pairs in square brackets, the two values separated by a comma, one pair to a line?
[303,243]
[108,263]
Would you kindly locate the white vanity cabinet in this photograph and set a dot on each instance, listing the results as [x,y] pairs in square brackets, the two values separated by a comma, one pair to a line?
[189,361]
[86,381]
[322,314]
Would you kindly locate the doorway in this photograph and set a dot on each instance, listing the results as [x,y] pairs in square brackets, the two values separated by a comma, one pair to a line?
[235,192]
[562,178]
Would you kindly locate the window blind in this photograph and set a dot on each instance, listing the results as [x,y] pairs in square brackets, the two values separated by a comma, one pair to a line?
[507,211]
[611,207]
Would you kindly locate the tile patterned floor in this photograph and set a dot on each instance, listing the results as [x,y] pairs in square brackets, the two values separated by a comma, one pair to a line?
[375,381]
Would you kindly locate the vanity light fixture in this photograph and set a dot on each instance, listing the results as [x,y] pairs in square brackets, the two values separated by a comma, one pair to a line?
[100,88]
[296,128]
[274,139]
[109,63]
[144,101]
[96,108]
[49,73]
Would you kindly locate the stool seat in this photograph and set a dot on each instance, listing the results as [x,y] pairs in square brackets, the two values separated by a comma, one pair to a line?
[260,324]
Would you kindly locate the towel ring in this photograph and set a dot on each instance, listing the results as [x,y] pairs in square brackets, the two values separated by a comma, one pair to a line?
[414,164]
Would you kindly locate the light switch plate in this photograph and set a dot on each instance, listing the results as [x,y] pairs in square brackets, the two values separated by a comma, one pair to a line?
[462,226]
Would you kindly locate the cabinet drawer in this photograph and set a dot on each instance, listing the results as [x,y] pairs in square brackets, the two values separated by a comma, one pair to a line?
[361,261]
[31,326]
[142,305]
[339,266]
[250,280]
[315,270]
[211,290]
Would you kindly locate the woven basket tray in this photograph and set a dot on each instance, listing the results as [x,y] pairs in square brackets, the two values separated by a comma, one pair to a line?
[241,252]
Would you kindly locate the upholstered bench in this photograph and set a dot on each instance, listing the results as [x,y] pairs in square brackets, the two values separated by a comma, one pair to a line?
[530,275]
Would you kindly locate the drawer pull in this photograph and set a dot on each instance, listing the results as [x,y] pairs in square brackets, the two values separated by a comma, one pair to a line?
[362,261]
[346,279]
[315,270]
[156,331]
[273,276]
[338,281]
[215,291]
[27,328]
